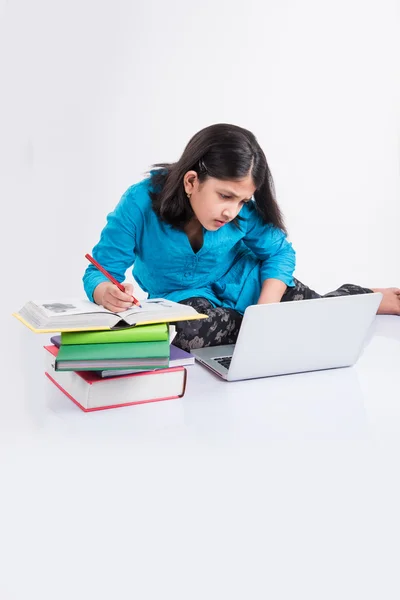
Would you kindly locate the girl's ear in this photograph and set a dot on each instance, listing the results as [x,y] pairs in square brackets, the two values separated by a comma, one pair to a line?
[190,180]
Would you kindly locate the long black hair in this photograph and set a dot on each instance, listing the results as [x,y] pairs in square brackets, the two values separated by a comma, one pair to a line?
[222,151]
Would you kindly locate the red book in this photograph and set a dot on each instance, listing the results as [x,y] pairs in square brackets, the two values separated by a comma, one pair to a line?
[89,391]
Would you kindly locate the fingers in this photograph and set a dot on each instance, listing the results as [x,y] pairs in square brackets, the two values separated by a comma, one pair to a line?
[110,296]
[115,300]
[128,289]
[129,292]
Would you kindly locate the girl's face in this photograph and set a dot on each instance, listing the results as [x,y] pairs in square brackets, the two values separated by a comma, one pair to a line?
[216,202]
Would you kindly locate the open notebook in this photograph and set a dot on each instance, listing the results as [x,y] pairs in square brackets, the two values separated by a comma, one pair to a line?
[77,314]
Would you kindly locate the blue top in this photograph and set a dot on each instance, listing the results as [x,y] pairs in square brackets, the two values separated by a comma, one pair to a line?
[228,270]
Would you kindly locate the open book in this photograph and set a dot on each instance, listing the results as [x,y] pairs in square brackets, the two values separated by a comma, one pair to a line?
[83,315]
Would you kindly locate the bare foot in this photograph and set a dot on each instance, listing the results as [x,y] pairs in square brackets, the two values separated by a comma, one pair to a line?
[390,304]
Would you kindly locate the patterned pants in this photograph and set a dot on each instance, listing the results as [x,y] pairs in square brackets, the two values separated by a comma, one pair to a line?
[223,324]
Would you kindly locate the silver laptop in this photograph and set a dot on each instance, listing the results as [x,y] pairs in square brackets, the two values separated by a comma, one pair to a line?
[293,337]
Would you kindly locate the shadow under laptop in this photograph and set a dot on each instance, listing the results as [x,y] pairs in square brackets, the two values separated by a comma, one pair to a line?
[319,405]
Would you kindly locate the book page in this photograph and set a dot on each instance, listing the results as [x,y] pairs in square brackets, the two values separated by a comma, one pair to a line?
[158,309]
[158,306]
[69,306]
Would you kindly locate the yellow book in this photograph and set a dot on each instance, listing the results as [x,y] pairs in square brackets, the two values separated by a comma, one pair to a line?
[82,315]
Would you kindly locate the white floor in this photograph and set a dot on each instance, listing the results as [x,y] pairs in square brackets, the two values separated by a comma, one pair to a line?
[284,487]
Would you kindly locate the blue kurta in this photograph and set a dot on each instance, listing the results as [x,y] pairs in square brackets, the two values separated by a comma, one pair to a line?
[228,270]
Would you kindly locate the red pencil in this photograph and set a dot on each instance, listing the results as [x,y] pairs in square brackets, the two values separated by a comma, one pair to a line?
[110,277]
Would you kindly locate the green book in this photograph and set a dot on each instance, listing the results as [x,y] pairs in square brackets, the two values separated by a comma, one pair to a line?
[141,333]
[95,357]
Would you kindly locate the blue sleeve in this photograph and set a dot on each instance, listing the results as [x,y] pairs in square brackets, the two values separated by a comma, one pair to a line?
[116,249]
[270,245]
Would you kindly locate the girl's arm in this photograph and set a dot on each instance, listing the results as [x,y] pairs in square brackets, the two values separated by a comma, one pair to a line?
[116,249]
[272,290]
[278,259]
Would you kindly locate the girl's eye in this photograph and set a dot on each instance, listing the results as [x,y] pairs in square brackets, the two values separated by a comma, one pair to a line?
[224,197]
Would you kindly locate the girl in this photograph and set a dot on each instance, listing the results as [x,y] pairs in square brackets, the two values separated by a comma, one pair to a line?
[206,231]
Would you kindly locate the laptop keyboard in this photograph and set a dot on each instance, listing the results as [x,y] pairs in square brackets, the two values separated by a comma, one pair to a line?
[225,361]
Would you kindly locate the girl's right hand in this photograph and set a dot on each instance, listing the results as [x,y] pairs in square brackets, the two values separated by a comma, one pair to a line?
[108,295]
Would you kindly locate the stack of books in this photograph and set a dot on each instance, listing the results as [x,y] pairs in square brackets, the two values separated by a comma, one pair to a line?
[100,369]
[122,359]
[143,348]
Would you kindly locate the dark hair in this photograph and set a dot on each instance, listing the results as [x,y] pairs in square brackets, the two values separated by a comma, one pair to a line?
[226,152]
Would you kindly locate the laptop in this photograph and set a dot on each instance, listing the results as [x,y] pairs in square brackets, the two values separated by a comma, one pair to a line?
[295,337]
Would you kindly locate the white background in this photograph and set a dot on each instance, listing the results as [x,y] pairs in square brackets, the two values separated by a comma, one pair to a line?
[281,488]
[93,93]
